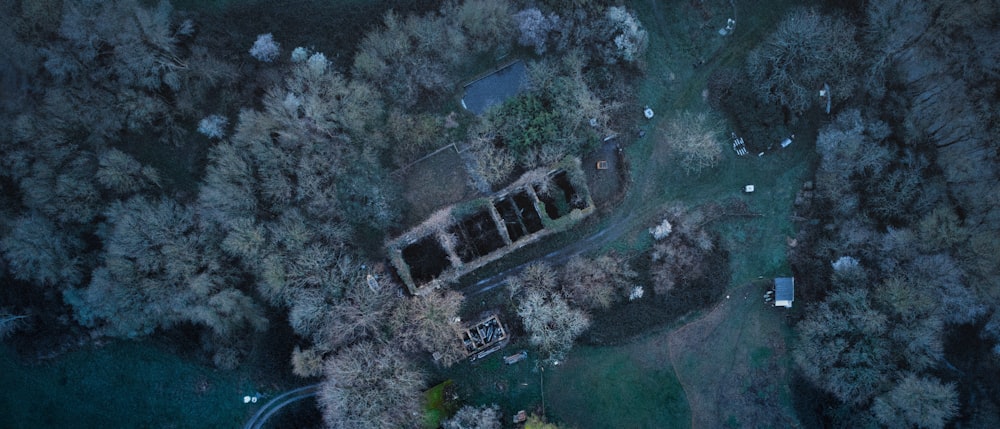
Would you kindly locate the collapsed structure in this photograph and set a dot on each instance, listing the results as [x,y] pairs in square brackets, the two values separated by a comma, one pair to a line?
[461,238]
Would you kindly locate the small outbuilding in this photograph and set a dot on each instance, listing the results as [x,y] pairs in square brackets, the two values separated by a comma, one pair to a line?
[784,291]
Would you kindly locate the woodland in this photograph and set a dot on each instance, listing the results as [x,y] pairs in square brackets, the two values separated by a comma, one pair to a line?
[164,170]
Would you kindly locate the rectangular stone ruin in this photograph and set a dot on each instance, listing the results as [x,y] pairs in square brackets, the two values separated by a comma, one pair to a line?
[462,238]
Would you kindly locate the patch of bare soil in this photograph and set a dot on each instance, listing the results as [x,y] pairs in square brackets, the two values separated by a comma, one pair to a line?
[733,364]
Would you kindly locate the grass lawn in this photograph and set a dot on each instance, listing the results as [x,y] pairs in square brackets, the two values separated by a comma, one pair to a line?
[490,381]
[121,385]
[631,386]
[734,363]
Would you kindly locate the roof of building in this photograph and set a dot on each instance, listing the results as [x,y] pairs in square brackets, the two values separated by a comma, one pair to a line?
[494,88]
[784,289]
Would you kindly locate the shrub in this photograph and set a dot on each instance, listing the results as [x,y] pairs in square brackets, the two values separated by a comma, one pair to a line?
[470,417]
[213,126]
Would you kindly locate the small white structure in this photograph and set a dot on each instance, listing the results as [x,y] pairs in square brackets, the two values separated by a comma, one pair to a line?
[648,113]
[730,24]
[788,142]
[825,92]
[784,291]
[748,189]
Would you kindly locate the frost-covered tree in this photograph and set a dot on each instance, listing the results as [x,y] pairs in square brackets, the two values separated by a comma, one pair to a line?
[625,38]
[265,48]
[534,27]
[213,126]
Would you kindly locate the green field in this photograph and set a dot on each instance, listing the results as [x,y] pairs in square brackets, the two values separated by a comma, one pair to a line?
[632,386]
[122,385]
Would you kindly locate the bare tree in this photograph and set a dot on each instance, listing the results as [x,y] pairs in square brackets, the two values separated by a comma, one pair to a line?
[10,322]
[807,50]
[917,402]
[39,252]
[371,385]
[598,282]
[843,347]
[123,174]
[696,139]
[428,323]
[551,323]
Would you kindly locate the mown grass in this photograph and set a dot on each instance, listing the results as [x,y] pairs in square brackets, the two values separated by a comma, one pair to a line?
[121,385]
[621,387]
[734,365]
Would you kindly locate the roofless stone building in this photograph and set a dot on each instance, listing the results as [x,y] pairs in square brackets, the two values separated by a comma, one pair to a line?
[461,238]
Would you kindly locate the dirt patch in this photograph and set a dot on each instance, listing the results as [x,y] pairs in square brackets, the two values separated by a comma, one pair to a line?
[606,184]
[434,182]
[733,364]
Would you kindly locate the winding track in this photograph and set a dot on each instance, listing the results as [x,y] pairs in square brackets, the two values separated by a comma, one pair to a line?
[274,405]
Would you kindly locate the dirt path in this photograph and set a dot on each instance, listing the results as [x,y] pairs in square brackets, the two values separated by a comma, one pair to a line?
[269,409]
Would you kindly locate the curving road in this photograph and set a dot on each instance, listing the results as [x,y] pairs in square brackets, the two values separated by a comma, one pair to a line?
[274,405]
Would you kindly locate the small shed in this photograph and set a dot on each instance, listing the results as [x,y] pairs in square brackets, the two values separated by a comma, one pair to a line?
[784,291]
